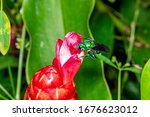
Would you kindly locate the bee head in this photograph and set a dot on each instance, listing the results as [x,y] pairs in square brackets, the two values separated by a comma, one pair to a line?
[81,46]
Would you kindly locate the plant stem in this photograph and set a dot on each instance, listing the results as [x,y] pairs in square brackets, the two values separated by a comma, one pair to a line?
[132,34]
[11,80]
[103,76]
[6,92]
[132,38]
[119,84]
[102,67]
[21,54]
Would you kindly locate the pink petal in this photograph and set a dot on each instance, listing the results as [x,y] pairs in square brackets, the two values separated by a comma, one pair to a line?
[68,56]
[70,68]
[56,60]
[69,47]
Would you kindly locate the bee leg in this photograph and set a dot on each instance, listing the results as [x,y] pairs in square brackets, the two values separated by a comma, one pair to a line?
[91,54]
[81,57]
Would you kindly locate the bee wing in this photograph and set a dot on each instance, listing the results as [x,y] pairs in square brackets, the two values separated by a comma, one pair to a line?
[99,48]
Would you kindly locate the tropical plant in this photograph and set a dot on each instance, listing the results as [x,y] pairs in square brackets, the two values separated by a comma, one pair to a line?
[29,31]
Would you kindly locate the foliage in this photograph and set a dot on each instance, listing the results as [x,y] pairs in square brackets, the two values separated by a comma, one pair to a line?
[145,79]
[122,25]
[4,33]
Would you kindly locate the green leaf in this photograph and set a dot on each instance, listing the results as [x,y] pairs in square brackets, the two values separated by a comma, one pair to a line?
[133,69]
[90,83]
[4,33]
[48,20]
[145,82]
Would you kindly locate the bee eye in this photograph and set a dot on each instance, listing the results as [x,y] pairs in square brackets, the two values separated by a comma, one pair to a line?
[81,45]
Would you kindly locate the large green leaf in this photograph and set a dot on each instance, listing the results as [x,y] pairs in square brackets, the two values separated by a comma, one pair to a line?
[145,82]
[90,83]
[48,20]
[4,33]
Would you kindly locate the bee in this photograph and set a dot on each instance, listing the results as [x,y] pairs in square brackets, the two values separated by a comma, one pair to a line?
[91,48]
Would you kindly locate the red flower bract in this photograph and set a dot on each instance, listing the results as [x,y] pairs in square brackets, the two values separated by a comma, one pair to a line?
[56,82]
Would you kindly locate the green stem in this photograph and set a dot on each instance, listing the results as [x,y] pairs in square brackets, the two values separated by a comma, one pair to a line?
[119,84]
[102,67]
[132,34]
[21,54]
[1,5]
[103,76]
[11,80]
[132,38]
[6,92]
[124,78]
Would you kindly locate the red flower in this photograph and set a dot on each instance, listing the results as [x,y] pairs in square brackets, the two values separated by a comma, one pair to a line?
[56,82]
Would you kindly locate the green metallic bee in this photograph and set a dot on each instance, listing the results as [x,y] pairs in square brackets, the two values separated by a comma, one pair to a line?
[92,48]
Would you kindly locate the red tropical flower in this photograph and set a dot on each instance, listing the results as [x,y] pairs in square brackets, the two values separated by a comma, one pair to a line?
[56,82]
